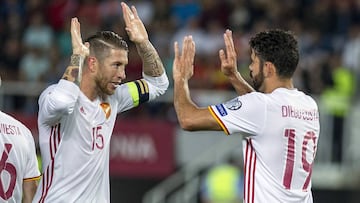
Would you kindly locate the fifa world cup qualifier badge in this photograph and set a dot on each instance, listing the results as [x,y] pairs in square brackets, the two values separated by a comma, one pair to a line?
[233,104]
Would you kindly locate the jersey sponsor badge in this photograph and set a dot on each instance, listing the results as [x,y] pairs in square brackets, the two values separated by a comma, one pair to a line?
[233,104]
[220,108]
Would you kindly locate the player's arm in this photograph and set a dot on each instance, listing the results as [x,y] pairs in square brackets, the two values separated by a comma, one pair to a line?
[29,189]
[190,116]
[73,72]
[229,66]
[60,100]
[152,64]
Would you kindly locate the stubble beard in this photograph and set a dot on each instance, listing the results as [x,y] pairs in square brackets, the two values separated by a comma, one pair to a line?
[102,88]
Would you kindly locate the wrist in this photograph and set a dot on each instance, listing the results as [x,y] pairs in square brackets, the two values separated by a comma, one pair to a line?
[77,60]
[234,76]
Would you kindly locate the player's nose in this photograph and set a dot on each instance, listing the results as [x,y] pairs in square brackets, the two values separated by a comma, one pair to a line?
[121,74]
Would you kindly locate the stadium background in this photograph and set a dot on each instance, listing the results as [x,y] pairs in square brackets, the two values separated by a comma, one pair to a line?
[148,147]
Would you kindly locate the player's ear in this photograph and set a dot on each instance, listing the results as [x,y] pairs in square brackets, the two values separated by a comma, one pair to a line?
[269,69]
[91,63]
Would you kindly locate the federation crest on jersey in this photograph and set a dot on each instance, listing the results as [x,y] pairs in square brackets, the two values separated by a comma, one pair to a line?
[233,104]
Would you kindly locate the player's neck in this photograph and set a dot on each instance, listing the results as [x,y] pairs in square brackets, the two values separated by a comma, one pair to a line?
[275,84]
[88,87]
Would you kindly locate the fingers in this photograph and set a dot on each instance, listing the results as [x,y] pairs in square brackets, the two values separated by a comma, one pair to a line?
[74,25]
[176,50]
[229,43]
[222,56]
[133,9]
[75,34]
[188,50]
[128,15]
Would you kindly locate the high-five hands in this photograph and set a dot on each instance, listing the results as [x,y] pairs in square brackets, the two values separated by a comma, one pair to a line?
[183,66]
[134,26]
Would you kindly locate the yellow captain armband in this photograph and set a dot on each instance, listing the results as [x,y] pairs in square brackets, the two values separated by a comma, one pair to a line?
[139,91]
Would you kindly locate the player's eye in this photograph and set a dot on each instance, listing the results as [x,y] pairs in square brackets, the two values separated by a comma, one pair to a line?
[116,65]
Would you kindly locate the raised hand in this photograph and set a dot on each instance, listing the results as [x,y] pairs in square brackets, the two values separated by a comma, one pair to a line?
[134,26]
[229,66]
[73,72]
[228,59]
[183,66]
[76,40]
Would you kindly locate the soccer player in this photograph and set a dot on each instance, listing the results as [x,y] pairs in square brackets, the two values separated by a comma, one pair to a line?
[280,124]
[77,115]
[19,171]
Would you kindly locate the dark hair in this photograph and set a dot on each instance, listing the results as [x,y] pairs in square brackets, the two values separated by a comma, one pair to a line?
[278,47]
[103,41]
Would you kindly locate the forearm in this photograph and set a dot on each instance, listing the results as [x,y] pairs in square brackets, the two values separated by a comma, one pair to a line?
[152,64]
[74,71]
[190,116]
[240,85]
[29,189]
[183,103]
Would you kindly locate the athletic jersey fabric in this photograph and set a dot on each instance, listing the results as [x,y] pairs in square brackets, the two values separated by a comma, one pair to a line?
[281,133]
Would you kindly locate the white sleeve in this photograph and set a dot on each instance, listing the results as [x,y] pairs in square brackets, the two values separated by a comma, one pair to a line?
[157,85]
[57,100]
[244,114]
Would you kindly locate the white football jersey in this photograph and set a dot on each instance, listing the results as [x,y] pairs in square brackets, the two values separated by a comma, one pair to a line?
[74,138]
[281,132]
[18,162]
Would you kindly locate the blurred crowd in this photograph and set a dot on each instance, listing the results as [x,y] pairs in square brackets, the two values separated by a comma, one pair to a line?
[36,43]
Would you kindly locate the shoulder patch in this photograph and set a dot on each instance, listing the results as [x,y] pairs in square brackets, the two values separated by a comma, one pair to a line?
[233,104]
[220,108]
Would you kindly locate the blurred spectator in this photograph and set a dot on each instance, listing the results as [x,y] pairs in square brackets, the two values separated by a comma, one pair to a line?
[223,183]
[9,7]
[351,53]
[10,58]
[34,65]
[59,11]
[212,11]
[184,10]
[239,18]
[145,9]
[34,6]
[337,100]
[38,34]
[110,12]
[88,14]
[63,40]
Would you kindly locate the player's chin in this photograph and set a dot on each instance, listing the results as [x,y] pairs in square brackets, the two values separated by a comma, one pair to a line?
[111,89]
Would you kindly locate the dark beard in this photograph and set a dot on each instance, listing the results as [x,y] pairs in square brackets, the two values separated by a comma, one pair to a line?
[257,80]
